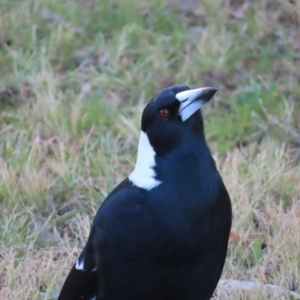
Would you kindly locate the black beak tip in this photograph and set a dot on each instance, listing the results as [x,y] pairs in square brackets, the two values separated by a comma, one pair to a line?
[212,91]
[209,93]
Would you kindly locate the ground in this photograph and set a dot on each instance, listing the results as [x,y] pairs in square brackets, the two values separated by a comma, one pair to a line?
[74,78]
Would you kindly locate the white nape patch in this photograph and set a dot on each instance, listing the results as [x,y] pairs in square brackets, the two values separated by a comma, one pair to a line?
[143,174]
[191,101]
[94,298]
[79,265]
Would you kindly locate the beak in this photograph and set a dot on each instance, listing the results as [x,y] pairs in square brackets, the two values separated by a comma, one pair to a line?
[193,100]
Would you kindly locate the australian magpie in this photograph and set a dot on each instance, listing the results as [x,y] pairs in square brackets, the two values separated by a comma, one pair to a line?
[162,233]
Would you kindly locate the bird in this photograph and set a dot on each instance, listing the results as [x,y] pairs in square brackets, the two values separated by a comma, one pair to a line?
[162,233]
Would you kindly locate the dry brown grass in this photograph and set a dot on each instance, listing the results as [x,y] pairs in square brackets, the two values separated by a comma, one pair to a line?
[267,220]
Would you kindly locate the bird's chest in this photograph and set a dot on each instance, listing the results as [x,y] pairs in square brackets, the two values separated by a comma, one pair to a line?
[185,215]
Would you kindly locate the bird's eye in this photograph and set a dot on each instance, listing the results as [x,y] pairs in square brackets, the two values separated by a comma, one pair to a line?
[164,112]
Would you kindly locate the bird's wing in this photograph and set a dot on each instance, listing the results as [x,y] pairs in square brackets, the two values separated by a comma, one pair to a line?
[81,281]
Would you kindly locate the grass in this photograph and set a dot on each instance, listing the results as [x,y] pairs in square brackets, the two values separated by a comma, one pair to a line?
[75,76]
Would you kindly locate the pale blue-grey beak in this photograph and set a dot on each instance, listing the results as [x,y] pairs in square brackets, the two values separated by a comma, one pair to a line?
[193,100]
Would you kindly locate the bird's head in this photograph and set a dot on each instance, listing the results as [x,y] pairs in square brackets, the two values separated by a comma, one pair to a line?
[171,117]
[171,121]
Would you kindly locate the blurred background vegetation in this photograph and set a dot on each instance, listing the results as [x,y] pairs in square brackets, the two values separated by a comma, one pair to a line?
[74,77]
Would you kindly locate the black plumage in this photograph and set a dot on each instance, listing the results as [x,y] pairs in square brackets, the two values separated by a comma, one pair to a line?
[161,234]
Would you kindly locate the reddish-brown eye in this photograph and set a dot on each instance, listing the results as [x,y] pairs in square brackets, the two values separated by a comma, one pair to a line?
[164,113]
